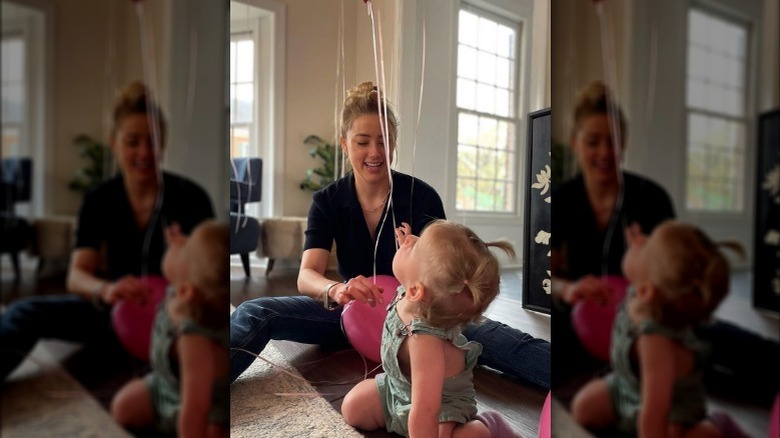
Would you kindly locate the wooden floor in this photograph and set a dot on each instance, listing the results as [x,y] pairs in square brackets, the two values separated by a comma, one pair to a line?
[520,404]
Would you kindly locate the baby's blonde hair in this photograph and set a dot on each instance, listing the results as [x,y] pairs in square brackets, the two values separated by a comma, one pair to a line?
[208,270]
[460,274]
[690,272]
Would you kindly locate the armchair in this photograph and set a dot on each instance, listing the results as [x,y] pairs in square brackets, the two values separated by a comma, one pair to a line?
[245,187]
[15,176]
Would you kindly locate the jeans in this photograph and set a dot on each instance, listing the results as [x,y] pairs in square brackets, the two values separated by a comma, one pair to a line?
[66,317]
[301,319]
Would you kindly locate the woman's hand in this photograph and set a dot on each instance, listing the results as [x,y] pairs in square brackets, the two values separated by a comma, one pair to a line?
[358,288]
[588,287]
[128,287]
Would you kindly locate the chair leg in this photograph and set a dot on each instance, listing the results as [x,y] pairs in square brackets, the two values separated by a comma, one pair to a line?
[245,262]
[15,263]
[269,266]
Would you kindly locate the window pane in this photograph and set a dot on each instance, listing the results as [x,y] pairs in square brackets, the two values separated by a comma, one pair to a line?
[485,198]
[487,35]
[502,103]
[466,197]
[467,161]
[239,141]
[486,145]
[246,59]
[487,68]
[503,73]
[467,91]
[486,97]
[467,62]
[506,42]
[488,132]
[467,29]
[468,128]
[244,101]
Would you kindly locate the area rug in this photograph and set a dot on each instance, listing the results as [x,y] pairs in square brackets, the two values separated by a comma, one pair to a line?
[257,411]
[51,403]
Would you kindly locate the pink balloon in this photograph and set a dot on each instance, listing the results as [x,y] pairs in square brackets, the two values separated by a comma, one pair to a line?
[363,324]
[774,419]
[593,321]
[544,419]
[133,322]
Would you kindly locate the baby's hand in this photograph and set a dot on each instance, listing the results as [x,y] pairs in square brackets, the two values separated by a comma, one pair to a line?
[634,234]
[402,232]
[173,234]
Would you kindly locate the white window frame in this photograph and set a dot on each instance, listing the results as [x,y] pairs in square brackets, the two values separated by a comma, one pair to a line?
[38,34]
[518,15]
[665,133]
[268,32]
[747,119]
[516,117]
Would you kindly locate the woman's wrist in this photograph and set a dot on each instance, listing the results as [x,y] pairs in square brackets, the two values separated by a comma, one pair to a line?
[328,296]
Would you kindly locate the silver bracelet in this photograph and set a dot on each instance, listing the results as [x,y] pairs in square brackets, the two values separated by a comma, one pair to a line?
[330,305]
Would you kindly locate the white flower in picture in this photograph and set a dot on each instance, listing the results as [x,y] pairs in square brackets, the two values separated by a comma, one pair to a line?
[547,284]
[772,183]
[543,180]
[542,237]
[772,238]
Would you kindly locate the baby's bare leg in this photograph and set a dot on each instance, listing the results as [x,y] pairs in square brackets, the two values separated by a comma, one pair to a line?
[592,406]
[472,429]
[132,405]
[362,407]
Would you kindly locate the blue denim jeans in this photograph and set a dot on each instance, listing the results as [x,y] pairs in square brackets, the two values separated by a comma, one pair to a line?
[66,317]
[301,319]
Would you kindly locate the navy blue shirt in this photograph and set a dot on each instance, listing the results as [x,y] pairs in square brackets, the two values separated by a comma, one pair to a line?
[107,223]
[335,213]
[576,235]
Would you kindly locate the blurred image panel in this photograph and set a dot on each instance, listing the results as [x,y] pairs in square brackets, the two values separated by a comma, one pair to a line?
[665,161]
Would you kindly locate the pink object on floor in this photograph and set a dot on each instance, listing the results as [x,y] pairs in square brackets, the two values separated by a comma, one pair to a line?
[544,419]
[593,321]
[133,322]
[363,324]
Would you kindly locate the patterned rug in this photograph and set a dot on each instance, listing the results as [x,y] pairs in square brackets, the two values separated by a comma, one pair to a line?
[51,403]
[255,410]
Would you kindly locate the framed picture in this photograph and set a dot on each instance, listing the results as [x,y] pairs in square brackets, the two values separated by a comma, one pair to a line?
[536,248]
[766,255]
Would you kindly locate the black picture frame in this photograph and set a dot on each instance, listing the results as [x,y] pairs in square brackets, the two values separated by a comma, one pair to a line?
[536,258]
[766,255]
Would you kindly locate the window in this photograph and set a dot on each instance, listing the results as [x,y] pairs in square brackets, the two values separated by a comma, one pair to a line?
[487,112]
[242,91]
[716,111]
[13,96]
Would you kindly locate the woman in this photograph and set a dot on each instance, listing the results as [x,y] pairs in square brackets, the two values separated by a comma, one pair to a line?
[350,211]
[579,258]
[120,229]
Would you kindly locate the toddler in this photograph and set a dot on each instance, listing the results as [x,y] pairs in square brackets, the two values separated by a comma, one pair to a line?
[187,389]
[678,278]
[448,278]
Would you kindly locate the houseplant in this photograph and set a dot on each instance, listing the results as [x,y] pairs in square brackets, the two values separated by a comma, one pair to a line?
[95,171]
[319,177]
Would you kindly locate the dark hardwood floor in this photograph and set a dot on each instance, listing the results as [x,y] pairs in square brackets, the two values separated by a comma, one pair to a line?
[520,404]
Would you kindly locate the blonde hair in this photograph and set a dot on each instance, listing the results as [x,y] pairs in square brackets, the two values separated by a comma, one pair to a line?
[461,275]
[135,99]
[364,99]
[208,270]
[691,273]
[595,99]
